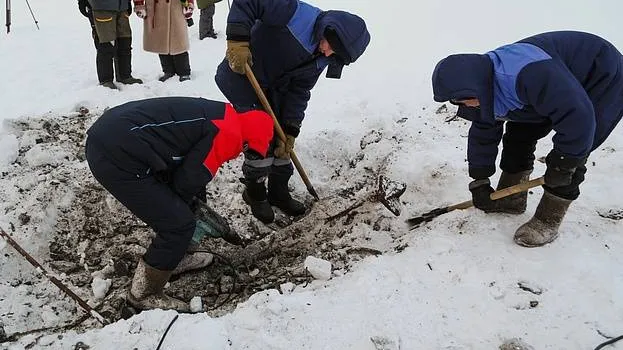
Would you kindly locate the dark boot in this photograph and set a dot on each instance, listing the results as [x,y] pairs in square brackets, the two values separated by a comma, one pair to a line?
[279,195]
[104,62]
[255,196]
[147,287]
[123,62]
[517,203]
[181,62]
[543,227]
[110,85]
[168,67]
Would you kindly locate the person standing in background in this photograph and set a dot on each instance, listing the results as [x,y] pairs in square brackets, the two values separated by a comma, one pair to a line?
[165,32]
[206,21]
[112,37]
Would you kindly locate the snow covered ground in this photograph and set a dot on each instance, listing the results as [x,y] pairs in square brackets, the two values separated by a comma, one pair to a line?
[459,283]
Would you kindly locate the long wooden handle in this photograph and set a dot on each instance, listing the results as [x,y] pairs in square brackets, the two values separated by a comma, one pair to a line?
[278,129]
[522,187]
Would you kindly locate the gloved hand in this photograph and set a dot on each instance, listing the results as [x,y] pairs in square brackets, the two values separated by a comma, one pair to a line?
[481,191]
[85,9]
[187,7]
[283,149]
[139,8]
[238,53]
[560,169]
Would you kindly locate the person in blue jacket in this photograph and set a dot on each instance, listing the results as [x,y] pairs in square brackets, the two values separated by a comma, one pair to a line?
[569,82]
[288,43]
[155,156]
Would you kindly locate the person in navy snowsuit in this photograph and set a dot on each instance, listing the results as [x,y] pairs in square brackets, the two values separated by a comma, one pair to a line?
[155,156]
[288,43]
[568,82]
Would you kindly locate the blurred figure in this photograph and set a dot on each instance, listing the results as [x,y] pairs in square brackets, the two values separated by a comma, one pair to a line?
[206,22]
[112,37]
[165,32]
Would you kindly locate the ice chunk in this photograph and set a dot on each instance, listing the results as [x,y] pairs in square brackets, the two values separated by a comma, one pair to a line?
[319,268]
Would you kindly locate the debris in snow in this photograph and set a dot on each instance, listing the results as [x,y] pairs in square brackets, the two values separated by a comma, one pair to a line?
[613,214]
[287,288]
[515,344]
[135,328]
[3,336]
[81,346]
[529,287]
[384,343]
[100,287]
[196,305]
[320,269]
[442,109]
[374,136]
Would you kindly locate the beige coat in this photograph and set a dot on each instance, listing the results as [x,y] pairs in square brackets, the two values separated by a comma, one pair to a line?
[165,30]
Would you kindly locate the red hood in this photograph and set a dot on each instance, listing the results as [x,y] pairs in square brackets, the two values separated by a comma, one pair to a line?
[255,128]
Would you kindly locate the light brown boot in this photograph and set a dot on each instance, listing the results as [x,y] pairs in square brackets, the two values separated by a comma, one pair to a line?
[147,292]
[543,227]
[516,203]
[193,261]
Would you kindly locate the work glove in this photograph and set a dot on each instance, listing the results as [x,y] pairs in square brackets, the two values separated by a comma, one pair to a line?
[283,149]
[210,223]
[139,8]
[560,169]
[481,195]
[84,8]
[238,53]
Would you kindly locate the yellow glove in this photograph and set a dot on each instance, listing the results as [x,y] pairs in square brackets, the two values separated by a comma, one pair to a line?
[283,149]
[237,54]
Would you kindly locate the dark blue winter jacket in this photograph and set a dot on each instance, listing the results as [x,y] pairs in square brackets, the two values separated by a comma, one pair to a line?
[284,37]
[573,79]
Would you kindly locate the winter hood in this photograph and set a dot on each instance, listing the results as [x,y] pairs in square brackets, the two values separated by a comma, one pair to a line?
[463,76]
[351,30]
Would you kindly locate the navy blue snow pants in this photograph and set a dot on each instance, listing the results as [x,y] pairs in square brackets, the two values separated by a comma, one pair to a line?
[150,200]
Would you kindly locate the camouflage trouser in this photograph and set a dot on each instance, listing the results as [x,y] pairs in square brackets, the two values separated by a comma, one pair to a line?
[111,25]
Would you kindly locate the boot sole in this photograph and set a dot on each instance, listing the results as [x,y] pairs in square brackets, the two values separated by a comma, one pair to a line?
[527,245]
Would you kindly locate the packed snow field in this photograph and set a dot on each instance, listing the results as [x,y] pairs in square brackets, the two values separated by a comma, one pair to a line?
[457,282]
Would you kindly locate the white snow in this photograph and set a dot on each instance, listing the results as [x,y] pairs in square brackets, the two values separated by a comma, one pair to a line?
[319,268]
[100,287]
[196,304]
[455,285]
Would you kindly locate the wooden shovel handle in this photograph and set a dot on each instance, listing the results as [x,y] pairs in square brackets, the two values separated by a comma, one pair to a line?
[522,187]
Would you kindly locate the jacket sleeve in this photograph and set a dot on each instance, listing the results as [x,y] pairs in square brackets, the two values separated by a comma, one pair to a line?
[482,148]
[244,13]
[295,102]
[555,93]
[192,176]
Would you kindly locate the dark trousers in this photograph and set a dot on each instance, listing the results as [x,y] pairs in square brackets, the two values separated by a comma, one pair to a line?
[109,55]
[240,93]
[175,64]
[153,202]
[519,144]
[206,22]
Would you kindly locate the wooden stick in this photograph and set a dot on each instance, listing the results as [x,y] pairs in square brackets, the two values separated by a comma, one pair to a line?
[278,129]
[53,279]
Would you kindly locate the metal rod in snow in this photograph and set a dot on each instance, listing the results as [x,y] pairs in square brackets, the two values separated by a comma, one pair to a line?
[53,279]
[33,15]
[8,16]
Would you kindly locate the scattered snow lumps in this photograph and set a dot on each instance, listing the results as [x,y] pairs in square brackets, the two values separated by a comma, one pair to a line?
[40,155]
[100,287]
[196,304]
[320,269]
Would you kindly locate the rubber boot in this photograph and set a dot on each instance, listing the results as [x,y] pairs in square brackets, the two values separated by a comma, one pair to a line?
[279,195]
[123,62]
[168,67]
[543,227]
[147,293]
[104,63]
[193,261]
[255,196]
[516,203]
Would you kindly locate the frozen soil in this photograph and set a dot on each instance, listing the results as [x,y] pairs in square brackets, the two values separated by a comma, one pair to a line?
[59,213]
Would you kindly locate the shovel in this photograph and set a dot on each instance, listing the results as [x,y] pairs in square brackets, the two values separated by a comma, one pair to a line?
[522,187]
